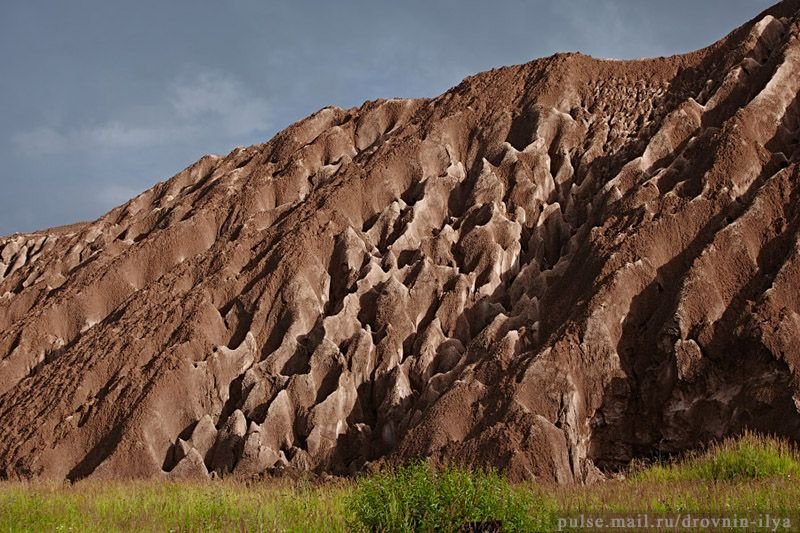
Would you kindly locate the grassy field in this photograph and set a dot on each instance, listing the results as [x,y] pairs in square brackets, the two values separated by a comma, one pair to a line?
[751,475]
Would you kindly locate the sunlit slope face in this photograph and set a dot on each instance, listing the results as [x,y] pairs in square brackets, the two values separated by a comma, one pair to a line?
[549,268]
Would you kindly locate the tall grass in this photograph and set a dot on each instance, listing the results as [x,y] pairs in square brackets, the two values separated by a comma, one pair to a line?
[748,457]
[418,498]
[751,474]
[150,506]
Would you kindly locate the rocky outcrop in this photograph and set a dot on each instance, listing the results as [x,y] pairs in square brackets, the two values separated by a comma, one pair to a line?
[552,268]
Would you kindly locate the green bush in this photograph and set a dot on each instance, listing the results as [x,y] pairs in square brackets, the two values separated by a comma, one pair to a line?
[748,457]
[418,498]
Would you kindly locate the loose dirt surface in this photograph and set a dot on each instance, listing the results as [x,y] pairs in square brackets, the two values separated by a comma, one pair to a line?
[552,268]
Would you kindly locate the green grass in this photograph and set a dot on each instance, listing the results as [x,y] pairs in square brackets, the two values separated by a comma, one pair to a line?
[749,457]
[751,474]
[775,496]
[151,506]
[417,498]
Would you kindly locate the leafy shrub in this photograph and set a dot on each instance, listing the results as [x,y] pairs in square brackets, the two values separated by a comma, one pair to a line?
[418,498]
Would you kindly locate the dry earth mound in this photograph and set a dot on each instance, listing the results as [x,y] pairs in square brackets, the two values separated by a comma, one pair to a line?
[550,268]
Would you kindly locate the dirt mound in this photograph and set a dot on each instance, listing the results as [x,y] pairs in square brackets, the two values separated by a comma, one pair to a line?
[550,268]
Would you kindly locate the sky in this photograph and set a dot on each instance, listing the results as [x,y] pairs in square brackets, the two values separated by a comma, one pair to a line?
[101,99]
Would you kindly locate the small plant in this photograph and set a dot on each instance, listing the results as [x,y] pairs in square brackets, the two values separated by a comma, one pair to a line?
[419,498]
[748,457]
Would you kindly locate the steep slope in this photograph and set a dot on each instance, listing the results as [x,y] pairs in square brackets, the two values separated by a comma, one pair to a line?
[549,268]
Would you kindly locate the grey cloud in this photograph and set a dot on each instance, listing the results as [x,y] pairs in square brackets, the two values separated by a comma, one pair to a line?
[223,97]
[109,136]
[209,100]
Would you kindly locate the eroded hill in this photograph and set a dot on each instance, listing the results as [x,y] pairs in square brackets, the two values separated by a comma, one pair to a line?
[550,268]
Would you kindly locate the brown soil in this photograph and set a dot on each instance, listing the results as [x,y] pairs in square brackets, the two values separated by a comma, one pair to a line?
[550,268]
